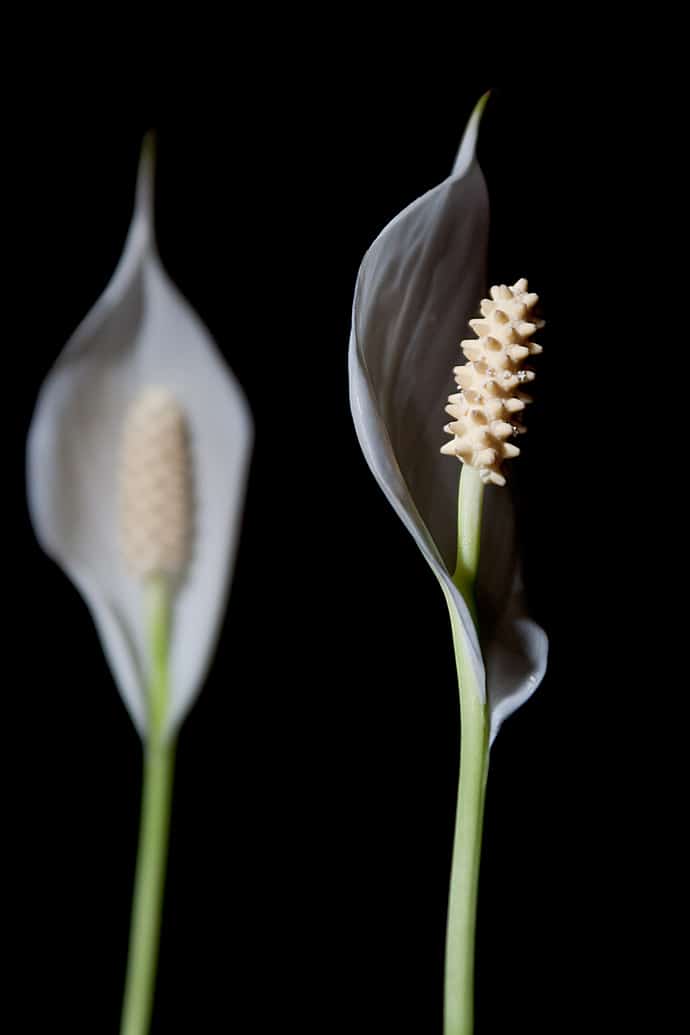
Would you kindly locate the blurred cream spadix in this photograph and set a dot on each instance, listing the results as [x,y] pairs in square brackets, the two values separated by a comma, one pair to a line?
[155,486]
[140,334]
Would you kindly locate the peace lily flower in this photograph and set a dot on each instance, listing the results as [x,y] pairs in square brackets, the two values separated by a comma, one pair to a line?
[137,460]
[418,286]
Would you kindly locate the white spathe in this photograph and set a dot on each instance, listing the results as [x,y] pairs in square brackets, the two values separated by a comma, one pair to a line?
[419,284]
[140,333]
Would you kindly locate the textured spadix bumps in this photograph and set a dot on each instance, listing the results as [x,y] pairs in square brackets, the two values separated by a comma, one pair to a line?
[487,408]
[155,486]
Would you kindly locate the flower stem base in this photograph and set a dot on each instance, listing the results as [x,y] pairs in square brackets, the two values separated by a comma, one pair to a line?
[464,880]
[159,762]
[474,763]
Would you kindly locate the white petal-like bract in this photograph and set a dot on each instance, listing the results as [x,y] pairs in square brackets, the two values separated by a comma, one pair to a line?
[140,333]
[419,284]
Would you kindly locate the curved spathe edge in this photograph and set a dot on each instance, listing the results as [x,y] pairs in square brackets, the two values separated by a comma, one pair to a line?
[465,158]
[384,467]
[519,637]
[139,244]
[181,707]
[110,632]
[367,417]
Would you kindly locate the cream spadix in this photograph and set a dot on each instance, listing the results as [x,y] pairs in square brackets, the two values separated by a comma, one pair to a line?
[155,486]
[485,409]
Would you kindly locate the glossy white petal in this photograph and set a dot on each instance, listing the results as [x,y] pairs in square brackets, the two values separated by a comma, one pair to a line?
[418,285]
[141,332]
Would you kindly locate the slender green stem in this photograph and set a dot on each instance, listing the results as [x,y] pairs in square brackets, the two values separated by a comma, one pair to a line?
[474,758]
[470,501]
[159,758]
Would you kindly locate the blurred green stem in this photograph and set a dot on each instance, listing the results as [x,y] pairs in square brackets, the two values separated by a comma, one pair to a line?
[159,760]
[474,760]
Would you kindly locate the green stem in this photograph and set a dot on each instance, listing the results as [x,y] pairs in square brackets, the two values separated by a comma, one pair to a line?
[474,759]
[470,501]
[159,759]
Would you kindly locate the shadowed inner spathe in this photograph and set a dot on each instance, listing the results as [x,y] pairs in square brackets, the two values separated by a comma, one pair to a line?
[419,287]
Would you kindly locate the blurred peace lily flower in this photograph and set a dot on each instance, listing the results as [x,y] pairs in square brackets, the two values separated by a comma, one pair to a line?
[137,460]
[419,284]
[140,333]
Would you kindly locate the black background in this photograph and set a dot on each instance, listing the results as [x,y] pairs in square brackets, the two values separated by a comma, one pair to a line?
[316,773]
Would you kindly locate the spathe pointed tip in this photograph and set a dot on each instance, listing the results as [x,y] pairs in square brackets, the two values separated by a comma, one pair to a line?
[469,137]
[146,177]
[148,144]
[481,104]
